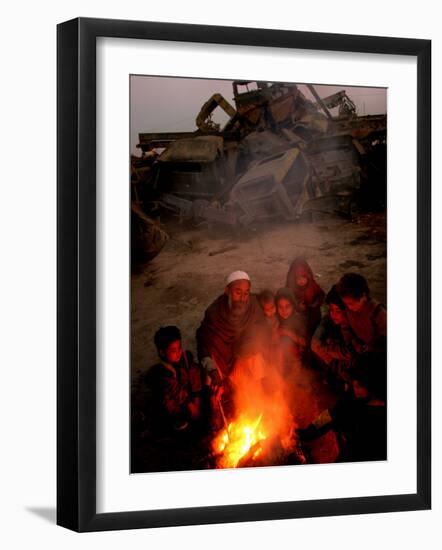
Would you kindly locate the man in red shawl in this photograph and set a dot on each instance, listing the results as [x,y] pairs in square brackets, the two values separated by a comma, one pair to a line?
[234,327]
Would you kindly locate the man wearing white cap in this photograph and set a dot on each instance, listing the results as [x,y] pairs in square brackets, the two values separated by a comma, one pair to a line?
[233,327]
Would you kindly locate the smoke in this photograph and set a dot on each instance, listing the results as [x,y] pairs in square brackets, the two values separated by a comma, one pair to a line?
[260,390]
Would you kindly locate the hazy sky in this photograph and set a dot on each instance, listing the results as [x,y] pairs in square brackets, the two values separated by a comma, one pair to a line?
[167,104]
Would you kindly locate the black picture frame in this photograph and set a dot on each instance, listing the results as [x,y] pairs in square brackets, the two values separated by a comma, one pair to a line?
[77,287]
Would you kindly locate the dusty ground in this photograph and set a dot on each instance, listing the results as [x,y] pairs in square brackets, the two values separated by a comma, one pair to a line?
[178,285]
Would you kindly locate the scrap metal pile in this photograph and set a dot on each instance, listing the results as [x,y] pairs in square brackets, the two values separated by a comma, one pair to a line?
[279,156]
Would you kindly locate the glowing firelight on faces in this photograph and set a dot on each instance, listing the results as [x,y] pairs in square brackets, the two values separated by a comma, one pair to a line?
[237,440]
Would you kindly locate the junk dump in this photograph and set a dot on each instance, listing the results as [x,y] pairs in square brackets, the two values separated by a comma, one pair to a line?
[280,156]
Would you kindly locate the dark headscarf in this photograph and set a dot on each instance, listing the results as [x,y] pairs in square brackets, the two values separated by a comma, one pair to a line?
[299,266]
[311,294]
[296,321]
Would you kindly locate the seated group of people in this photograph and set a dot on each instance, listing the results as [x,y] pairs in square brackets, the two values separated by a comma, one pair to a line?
[347,345]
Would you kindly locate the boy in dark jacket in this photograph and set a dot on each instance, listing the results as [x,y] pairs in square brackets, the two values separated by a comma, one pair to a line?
[175,383]
[328,342]
[367,319]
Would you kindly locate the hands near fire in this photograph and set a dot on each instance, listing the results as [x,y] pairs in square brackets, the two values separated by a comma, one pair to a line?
[337,351]
[359,346]
[216,380]
[298,340]
[217,384]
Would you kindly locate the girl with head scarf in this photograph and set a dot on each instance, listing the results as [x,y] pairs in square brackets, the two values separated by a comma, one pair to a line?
[308,294]
[292,330]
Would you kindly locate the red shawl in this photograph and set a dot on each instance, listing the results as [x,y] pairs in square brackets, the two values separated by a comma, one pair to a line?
[224,336]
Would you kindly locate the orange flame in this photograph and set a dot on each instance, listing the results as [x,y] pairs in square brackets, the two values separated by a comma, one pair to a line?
[263,404]
[237,440]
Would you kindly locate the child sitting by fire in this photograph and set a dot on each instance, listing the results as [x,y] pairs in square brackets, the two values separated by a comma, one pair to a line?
[175,383]
[309,296]
[291,331]
[366,327]
[266,299]
[331,351]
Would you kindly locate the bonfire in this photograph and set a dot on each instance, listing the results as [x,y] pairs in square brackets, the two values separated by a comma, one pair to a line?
[261,432]
[239,439]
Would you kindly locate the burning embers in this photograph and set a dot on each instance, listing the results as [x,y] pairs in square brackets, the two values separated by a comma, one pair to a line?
[248,443]
[239,442]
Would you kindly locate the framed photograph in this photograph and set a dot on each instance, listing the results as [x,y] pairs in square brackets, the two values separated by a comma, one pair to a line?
[238,210]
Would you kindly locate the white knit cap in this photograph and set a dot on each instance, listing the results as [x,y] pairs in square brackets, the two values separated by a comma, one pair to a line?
[237,276]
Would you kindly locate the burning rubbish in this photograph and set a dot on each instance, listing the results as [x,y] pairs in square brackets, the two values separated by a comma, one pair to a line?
[240,439]
[245,443]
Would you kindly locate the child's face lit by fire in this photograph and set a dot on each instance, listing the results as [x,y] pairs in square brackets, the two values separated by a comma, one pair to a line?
[173,353]
[354,304]
[285,308]
[301,278]
[336,314]
[269,309]
[301,281]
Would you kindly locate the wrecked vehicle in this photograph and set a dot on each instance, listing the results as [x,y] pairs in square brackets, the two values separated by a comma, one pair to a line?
[279,156]
[148,236]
